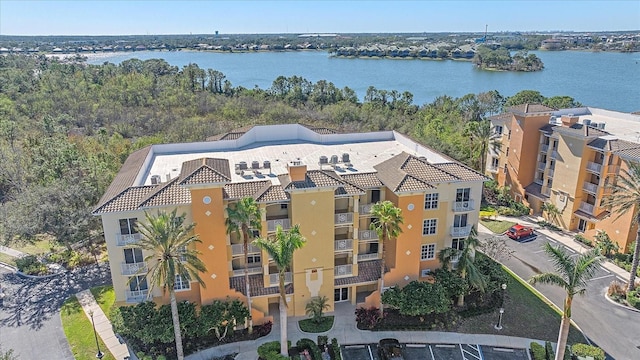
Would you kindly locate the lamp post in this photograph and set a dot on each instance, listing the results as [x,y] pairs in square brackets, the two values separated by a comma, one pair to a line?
[99,354]
[499,325]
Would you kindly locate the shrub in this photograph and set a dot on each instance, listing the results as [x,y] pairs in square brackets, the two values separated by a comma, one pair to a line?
[548,225]
[587,350]
[548,349]
[633,299]
[30,265]
[335,347]
[323,340]
[309,345]
[581,239]
[616,289]
[537,351]
[271,351]
[367,319]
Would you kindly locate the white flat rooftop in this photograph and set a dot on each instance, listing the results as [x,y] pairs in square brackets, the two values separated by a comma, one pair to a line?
[623,126]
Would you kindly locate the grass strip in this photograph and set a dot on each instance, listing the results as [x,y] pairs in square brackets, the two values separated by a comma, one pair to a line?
[79,332]
[105,297]
[497,226]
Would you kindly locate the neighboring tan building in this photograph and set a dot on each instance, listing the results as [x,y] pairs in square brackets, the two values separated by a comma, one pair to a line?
[567,157]
[325,182]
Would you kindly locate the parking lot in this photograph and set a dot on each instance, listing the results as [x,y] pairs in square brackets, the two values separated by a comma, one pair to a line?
[437,352]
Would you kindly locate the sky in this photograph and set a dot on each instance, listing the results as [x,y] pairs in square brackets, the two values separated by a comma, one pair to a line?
[114,17]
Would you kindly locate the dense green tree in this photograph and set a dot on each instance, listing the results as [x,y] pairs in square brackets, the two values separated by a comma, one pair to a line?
[418,299]
[524,97]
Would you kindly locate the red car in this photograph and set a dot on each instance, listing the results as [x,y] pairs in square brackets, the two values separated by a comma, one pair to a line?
[519,231]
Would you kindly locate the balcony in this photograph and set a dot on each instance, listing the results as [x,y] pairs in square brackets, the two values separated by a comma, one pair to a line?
[613,169]
[460,206]
[127,239]
[136,296]
[343,245]
[344,218]
[541,166]
[368,256]
[133,268]
[590,188]
[343,270]
[539,181]
[586,207]
[250,270]
[544,148]
[554,154]
[238,249]
[550,173]
[367,235]
[493,169]
[274,279]
[365,210]
[460,231]
[594,167]
[273,224]
[546,192]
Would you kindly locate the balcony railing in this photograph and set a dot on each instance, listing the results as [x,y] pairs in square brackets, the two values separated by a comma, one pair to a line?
[546,191]
[544,148]
[594,167]
[134,296]
[554,154]
[274,279]
[550,173]
[493,169]
[613,169]
[238,249]
[127,239]
[343,218]
[365,210]
[586,207]
[343,270]
[273,224]
[367,235]
[463,205]
[251,270]
[590,188]
[541,166]
[368,256]
[460,231]
[343,245]
[539,181]
[133,268]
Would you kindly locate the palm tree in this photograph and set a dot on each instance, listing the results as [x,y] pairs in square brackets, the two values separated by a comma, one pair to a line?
[169,239]
[483,139]
[466,266]
[242,216]
[552,212]
[624,198]
[605,244]
[572,275]
[386,223]
[281,248]
[316,306]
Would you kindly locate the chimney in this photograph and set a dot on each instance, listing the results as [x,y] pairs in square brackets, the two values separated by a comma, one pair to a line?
[297,170]
[568,120]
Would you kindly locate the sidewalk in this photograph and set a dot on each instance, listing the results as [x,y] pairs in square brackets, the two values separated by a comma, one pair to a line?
[103,325]
[11,252]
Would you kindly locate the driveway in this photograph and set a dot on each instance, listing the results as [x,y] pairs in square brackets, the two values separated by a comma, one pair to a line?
[437,352]
[30,314]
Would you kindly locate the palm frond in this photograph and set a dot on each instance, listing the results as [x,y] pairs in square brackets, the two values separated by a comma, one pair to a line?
[549,278]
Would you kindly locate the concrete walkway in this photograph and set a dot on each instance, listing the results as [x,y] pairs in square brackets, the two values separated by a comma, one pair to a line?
[11,252]
[103,325]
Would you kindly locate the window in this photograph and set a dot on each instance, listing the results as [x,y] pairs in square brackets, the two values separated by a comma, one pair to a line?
[253,259]
[128,226]
[182,250]
[182,283]
[507,152]
[458,243]
[255,233]
[463,194]
[341,294]
[284,206]
[431,201]
[555,144]
[375,196]
[509,135]
[460,220]
[495,162]
[429,226]
[428,252]
[138,283]
[505,168]
[132,256]
[497,130]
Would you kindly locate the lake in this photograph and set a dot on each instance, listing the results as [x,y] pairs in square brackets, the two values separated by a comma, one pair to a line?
[598,79]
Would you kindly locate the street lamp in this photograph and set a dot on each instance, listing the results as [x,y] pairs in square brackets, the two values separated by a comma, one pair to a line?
[499,325]
[100,354]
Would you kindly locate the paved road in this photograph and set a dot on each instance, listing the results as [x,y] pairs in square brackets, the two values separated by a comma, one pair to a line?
[30,314]
[613,328]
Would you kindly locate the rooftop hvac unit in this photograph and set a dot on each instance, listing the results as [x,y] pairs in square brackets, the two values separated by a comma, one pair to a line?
[168,177]
[552,120]
[255,165]
[242,165]
[586,122]
[334,159]
[345,157]
[155,179]
[601,126]
[266,164]
[323,160]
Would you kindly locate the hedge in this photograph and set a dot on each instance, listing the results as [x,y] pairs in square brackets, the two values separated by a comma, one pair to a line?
[537,351]
[271,351]
[587,350]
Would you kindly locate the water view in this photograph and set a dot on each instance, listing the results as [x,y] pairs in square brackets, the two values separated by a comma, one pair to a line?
[600,79]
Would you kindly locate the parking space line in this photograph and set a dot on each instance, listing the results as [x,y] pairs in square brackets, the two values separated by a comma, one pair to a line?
[601,277]
[370,354]
[620,279]
[445,345]
[605,270]
[431,351]
[539,251]
[503,350]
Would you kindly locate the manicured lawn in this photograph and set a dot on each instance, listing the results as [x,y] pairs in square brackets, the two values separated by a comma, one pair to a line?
[526,315]
[7,259]
[307,325]
[105,297]
[35,247]
[497,226]
[79,332]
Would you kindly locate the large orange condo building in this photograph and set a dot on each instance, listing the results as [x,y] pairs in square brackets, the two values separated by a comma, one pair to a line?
[567,157]
[324,181]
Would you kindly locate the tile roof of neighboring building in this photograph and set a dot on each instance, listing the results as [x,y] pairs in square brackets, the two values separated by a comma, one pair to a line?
[252,189]
[313,179]
[169,193]
[535,190]
[461,171]
[368,271]
[273,194]
[205,171]
[501,117]
[530,109]
[363,181]
[320,130]
[612,144]
[548,128]
[591,217]
[256,285]
[126,176]
[581,130]
[127,200]
[632,154]
[232,135]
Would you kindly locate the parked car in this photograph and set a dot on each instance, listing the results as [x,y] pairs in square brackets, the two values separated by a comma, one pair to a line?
[390,349]
[519,231]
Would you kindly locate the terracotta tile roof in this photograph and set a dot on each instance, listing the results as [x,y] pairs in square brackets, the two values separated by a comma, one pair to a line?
[368,271]
[126,176]
[530,109]
[256,285]
[603,143]
[320,130]
[587,216]
[127,200]
[580,129]
[245,189]
[273,194]
[409,183]
[535,190]
[548,128]
[169,193]
[631,154]
[314,179]
[501,117]
[363,181]
[461,171]
[348,189]
[205,171]
[232,135]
